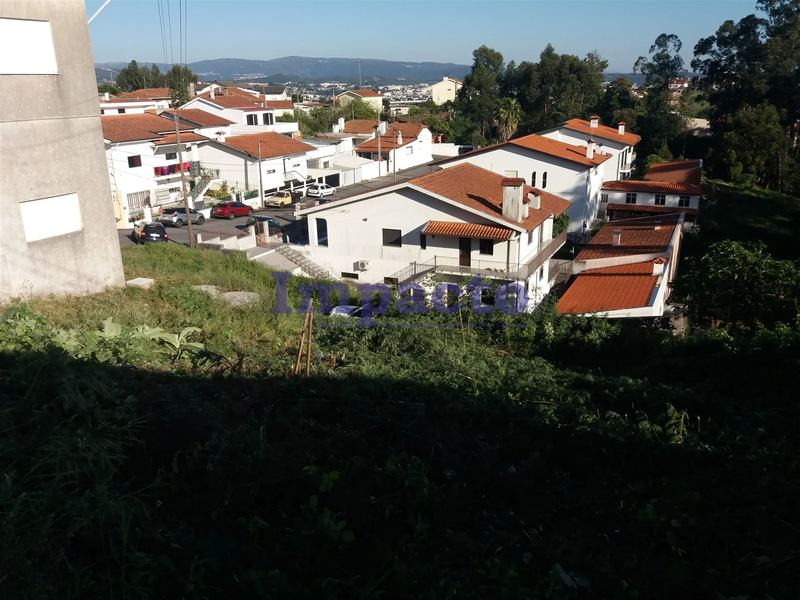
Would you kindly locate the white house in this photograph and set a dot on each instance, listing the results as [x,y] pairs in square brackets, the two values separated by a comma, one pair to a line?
[402,146]
[260,91]
[283,160]
[626,269]
[130,106]
[453,222]
[204,123]
[248,113]
[446,90]
[616,141]
[333,161]
[143,165]
[574,173]
[372,98]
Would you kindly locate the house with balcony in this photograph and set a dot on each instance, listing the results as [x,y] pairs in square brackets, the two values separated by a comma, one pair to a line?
[144,168]
[454,223]
[615,141]
[630,198]
[281,161]
[572,172]
[400,146]
[626,269]
[249,113]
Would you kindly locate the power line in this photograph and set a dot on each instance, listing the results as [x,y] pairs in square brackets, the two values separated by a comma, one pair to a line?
[171,44]
[163,33]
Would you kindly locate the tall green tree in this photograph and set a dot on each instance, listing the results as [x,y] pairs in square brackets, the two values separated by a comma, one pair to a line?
[478,97]
[177,80]
[508,116]
[131,78]
[618,104]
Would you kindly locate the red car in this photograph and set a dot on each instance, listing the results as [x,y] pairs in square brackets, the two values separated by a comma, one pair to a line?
[229,210]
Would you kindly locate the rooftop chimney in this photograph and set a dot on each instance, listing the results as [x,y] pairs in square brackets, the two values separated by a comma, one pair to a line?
[595,121]
[590,149]
[224,91]
[340,122]
[622,127]
[399,139]
[513,206]
[192,90]
[617,238]
[221,137]
[535,201]
[106,97]
[658,266]
[212,95]
[382,127]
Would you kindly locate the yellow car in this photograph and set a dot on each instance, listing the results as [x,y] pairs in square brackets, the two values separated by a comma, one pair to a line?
[282,198]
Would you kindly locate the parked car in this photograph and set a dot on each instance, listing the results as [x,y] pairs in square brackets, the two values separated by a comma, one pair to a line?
[149,232]
[230,210]
[320,189]
[177,217]
[271,223]
[282,198]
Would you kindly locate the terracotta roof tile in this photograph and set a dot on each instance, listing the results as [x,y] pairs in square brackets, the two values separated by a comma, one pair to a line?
[361,126]
[233,101]
[472,230]
[185,137]
[602,131]
[366,93]
[649,235]
[272,144]
[129,128]
[649,208]
[280,104]
[481,190]
[148,94]
[559,149]
[597,292]
[666,187]
[387,143]
[199,117]
[682,171]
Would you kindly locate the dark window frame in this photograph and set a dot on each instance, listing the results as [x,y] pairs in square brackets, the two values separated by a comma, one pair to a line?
[346,275]
[661,200]
[253,118]
[172,156]
[684,201]
[544,180]
[483,245]
[533,179]
[396,235]
[630,198]
[134,161]
[423,241]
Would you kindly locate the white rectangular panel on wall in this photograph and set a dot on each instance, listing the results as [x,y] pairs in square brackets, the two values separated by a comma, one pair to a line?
[49,217]
[26,48]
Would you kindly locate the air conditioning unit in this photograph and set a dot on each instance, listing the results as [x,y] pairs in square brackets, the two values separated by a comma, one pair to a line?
[363,265]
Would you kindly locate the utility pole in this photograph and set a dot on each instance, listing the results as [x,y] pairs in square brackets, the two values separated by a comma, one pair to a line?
[260,181]
[380,156]
[183,182]
[394,156]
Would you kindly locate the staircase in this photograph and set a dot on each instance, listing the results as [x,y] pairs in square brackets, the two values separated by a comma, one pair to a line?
[200,188]
[309,267]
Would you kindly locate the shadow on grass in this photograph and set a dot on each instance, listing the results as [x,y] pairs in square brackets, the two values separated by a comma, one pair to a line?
[129,483]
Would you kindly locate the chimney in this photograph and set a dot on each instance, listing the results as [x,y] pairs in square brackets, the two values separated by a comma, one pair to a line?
[594,121]
[590,149]
[192,90]
[513,190]
[622,127]
[658,266]
[224,91]
[658,226]
[535,201]
[212,94]
[106,97]
[340,122]
[399,139]
[617,238]
[221,137]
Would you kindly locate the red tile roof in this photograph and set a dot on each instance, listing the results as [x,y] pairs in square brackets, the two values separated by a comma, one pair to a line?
[601,131]
[129,128]
[199,117]
[472,230]
[366,93]
[682,171]
[663,187]
[481,190]
[648,235]
[362,126]
[649,208]
[387,143]
[615,288]
[148,93]
[280,104]
[232,101]
[185,137]
[272,144]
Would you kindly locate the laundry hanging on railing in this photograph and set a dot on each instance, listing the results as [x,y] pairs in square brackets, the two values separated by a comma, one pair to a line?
[170,169]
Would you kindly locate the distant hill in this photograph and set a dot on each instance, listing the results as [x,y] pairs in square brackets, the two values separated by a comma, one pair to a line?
[636,78]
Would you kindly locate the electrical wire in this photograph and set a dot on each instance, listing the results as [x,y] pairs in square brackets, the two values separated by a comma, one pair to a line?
[171,45]
[163,33]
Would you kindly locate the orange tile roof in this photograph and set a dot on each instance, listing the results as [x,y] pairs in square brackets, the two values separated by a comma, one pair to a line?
[559,149]
[664,187]
[602,131]
[681,171]
[600,292]
[232,101]
[129,128]
[472,230]
[272,144]
[280,104]
[361,126]
[482,190]
[366,93]
[148,94]
[387,143]
[199,117]
[185,137]
[649,208]
[640,268]
[637,236]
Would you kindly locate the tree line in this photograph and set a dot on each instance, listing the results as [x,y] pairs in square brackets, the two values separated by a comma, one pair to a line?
[133,77]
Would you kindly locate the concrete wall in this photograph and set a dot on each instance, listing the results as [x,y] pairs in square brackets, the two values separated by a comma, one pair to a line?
[51,146]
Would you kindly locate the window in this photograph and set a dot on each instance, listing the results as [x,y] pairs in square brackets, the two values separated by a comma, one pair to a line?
[267,119]
[270,171]
[510,174]
[683,201]
[349,275]
[661,199]
[410,150]
[322,232]
[423,242]
[533,179]
[630,198]
[252,119]
[134,161]
[486,247]
[541,273]
[121,111]
[172,156]
[102,112]
[392,237]
[544,180]
[604,198]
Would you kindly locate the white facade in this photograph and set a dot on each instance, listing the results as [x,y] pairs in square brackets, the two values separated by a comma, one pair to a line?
[375,102]
[131,107]
[445,90]
[245,121]
[240,170]
[580,184]
[649,199]
[413,154]
[617,167]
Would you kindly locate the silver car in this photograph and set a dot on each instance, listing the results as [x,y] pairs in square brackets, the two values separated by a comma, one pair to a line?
[177,217]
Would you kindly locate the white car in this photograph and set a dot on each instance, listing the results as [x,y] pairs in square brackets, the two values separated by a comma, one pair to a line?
[320,189]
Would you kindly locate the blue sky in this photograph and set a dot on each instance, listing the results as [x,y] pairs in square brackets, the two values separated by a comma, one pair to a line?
[411,30]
